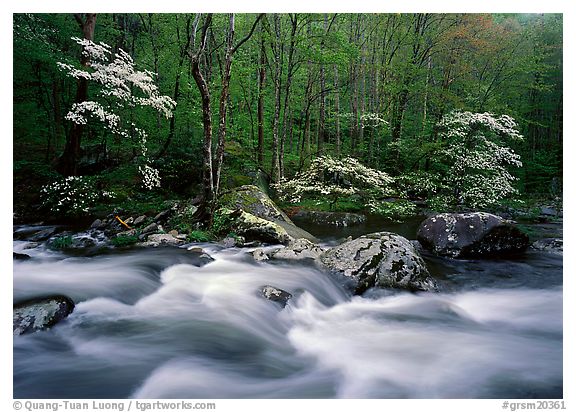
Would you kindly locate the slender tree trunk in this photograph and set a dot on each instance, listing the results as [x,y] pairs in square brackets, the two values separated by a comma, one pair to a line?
[337,111]
[261,82]
[224,103]
[322,111]
[294,26]
[207,175]
[183,53]
[69,161]
[275,167]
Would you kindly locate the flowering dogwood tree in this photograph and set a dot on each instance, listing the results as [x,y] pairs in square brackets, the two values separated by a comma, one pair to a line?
[478,157]
[332,178]
[121,86]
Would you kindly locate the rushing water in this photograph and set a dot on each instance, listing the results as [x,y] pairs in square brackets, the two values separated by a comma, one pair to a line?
[149,324]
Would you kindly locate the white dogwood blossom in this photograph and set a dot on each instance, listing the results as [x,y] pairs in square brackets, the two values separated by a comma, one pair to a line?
[478,157]
[121,86]
[333,178]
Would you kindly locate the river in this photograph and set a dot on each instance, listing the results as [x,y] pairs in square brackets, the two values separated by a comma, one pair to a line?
[150,324]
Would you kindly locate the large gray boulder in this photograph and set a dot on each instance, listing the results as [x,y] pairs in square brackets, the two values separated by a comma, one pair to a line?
[300,249]
[41,313]
[475,234]
[253,207]
[383,260]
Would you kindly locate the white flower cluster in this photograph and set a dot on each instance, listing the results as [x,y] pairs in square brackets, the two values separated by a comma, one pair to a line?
[121,86]
[461,124]
[335,178]
[372,119]
[150,176]
[72,195]
[479,163]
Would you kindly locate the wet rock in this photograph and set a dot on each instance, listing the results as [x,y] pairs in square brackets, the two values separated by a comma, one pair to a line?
[20,256]
[298,250]
[173,233]
[139,220]
[275,294]
[548,211]
[152,227]
[201,258]
[163,215]
[96,224]
[129,221]
[40,313]
[231,241]
[382,260]
[338,219]
[131,232]
[474,234]
[43,235]
[259,255]
[552,245]
[158,239]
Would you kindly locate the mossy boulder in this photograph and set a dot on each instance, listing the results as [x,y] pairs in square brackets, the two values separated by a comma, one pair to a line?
[261,218]
[254,228]
[381,260]
[253,200]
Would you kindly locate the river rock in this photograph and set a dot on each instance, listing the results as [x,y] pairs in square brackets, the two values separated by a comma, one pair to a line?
[254,201]
[41,313]
[139,220]
[150,228]
[163,215]
[552,245]
[298,249]
[42,235]
[383,260]
[158,239]
[475,234]
[339,219]
[96,224]
[259,255]
[20,256]
[275,295]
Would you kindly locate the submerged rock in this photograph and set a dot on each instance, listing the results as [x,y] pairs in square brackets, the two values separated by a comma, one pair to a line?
[339,219]
[259,255]
[552,245]
[20,256]
[275,295]
[40,313]
[384,260]
[474,234]
[298,250]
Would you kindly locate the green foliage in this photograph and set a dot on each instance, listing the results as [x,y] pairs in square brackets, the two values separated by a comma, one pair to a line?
[199,236]
[222,222]
[398,210]
[61,242]
[124,240]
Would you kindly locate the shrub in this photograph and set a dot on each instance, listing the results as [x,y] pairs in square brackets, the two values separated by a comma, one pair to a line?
[71,196]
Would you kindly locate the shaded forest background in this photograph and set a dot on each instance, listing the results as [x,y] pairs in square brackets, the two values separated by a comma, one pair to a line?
[371,86]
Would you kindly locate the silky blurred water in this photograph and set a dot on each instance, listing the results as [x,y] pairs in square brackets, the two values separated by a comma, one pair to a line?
[149,324]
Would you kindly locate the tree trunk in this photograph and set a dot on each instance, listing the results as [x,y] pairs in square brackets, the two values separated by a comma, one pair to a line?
[337,111]
[260,115]
[275,167]
[322,111]
[224,104]
[68,164]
